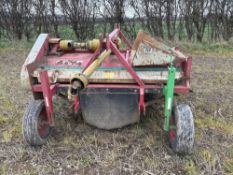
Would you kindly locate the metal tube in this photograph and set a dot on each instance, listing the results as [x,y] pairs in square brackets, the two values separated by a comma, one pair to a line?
[80,81]
[90,69]
[70,45]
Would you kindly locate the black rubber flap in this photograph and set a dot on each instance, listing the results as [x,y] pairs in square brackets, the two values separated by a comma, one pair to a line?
[110,108]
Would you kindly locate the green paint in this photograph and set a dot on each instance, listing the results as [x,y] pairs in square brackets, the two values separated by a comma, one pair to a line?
[170,58]
[168,91]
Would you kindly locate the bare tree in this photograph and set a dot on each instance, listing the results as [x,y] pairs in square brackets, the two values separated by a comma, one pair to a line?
[171,10]
[181,20]
[4,19]
[187,11]
[1,29]
[82,16]
[151,14]
[226,16]
[27,18]
[41,16]
[53,16]
[12,17]
[163,18]
[113,12]
[200,13]
[214,21]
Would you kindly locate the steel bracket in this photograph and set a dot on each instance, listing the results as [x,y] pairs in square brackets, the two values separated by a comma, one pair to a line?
[168,92]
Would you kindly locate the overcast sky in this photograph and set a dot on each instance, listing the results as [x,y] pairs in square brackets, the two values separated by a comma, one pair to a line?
[129,11]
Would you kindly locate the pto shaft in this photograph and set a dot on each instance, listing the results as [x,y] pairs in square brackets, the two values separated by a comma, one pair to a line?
[80,81]
[71,45]
[90,69]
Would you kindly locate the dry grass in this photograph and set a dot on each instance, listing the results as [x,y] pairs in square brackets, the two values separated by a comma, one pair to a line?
[77,148]
[221,49]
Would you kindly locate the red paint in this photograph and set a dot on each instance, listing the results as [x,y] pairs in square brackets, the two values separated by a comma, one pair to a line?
[141,100]
[92,58]
[76,104]
[43,125]
[47,94]
[172,134]
[122,36]
[178,89]
[112,36]
[82,59]
[172,131]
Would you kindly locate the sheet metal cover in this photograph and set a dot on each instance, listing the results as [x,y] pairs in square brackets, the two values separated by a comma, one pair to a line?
[150,51]
[110,108]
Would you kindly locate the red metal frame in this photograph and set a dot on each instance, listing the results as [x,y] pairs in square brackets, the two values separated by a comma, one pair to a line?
[49,90]
[124,62]
[48,93]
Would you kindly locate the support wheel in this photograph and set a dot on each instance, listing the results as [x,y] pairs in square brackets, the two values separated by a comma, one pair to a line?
[181,137]
[36,128]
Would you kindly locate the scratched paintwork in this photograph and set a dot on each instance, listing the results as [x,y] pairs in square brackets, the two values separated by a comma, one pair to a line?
[104,76]
[148,51]
[34,54]
[147,55]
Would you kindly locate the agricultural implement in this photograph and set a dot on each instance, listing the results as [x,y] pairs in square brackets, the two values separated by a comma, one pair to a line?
[108,83]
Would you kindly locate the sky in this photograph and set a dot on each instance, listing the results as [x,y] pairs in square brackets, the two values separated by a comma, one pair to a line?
[129,11]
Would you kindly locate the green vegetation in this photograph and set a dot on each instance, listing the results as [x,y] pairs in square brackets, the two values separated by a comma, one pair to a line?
[209,122]
[138,149]
[190,167]
[206,48]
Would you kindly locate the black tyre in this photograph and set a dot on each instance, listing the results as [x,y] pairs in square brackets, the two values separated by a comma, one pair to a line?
[182,136]
[36,128]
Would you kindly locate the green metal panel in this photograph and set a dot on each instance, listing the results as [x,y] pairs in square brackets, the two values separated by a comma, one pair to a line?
[168,91]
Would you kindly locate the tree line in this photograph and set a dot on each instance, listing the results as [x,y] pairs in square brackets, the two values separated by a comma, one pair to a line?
[192,20]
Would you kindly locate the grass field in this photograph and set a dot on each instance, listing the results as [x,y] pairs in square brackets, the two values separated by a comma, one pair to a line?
[77,148]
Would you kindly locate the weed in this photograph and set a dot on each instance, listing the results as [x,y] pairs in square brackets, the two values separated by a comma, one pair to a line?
[150,162]
[137,129]
[190,167]
[68,140]
[10,133]
[3,119]
[230,151]
[206,49]
[4,168]
[86,161]
[215,123]
[209,160]
[228,166]
[137,145]
[150,140]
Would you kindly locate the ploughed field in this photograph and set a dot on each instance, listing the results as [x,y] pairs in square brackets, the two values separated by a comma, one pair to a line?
[77,148]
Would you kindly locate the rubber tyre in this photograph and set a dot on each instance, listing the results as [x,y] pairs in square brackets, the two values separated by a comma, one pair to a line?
[182,138]
[35,126]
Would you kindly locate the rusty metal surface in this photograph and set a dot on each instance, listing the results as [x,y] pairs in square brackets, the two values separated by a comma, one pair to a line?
[36,52]
[105,76]
[148,51]
[146,55]
[54,40]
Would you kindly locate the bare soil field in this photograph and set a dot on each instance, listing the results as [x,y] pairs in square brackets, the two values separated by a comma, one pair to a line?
[77,148]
